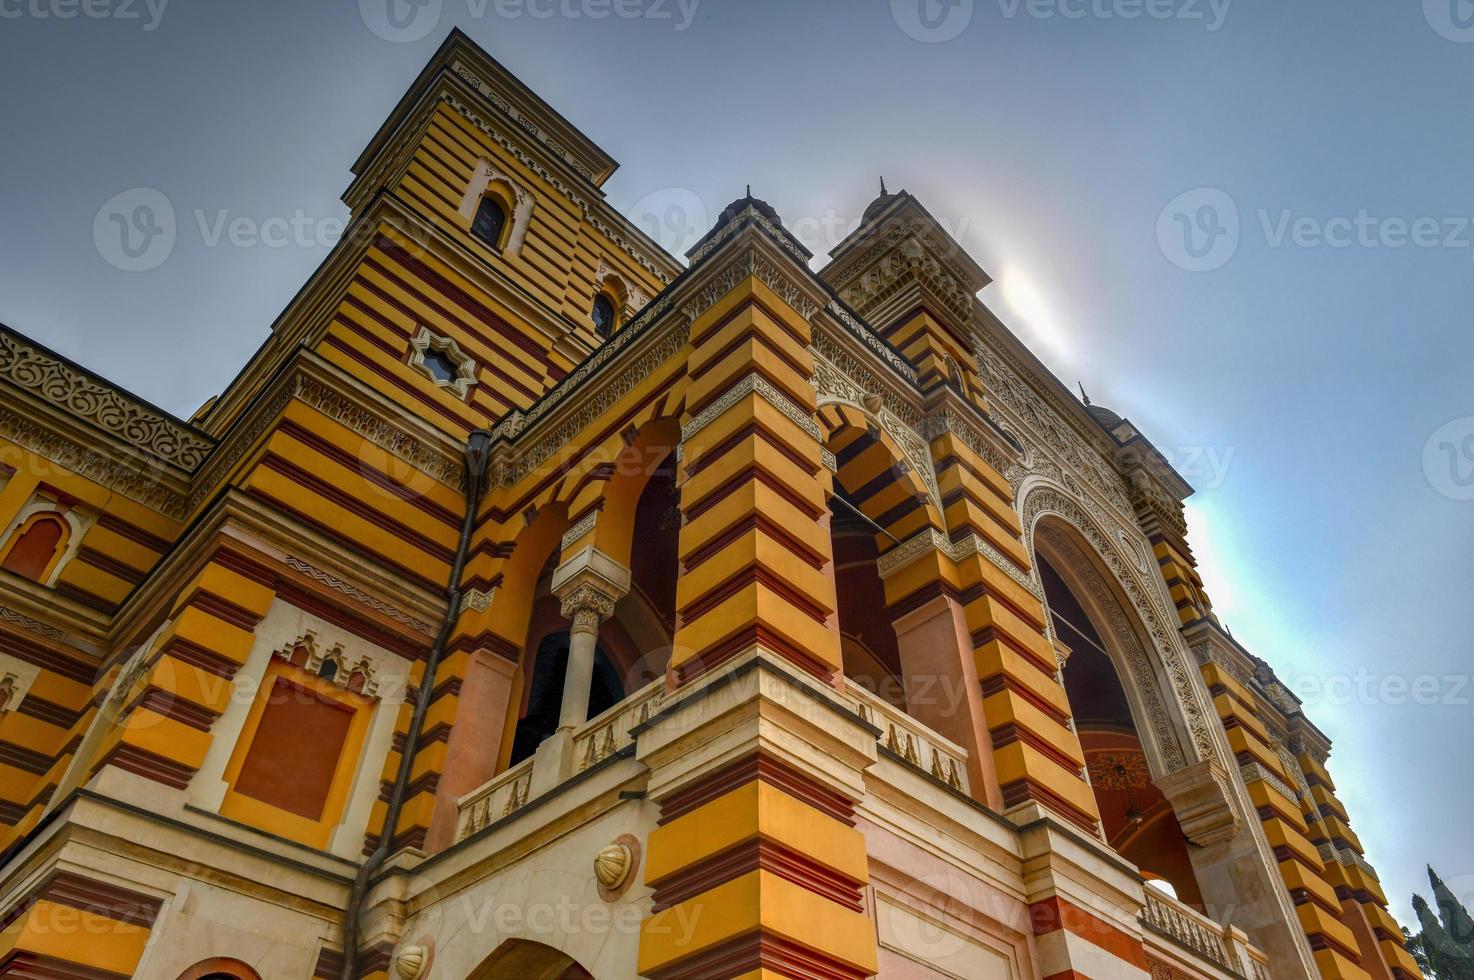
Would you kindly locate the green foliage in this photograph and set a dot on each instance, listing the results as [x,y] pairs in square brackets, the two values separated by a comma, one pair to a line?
[1444,948]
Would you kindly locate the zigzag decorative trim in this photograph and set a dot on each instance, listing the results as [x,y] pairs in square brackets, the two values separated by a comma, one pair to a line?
[752,384]
[357,595]
[931,539]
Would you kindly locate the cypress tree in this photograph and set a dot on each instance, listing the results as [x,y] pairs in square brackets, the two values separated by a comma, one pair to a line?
[1445,947]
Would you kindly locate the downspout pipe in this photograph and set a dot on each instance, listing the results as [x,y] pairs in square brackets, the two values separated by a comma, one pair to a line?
[477,453]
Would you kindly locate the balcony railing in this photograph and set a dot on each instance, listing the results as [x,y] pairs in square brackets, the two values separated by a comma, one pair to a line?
[1186,927]
[593,742]
[912,741]
[607,733]
[1224,947]
[505,794]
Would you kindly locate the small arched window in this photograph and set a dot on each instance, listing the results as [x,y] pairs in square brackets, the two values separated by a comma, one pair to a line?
[36,546]
[490,219]
[603,314]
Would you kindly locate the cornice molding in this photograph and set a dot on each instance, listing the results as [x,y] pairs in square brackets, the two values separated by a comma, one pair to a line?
[42,374]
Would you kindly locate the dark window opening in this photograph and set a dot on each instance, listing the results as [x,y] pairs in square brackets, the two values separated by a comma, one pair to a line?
[489,221]
[603,314]
[440,366]
[545,699]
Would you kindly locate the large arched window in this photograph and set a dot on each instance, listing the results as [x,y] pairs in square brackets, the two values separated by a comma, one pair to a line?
[33,550]
[490,220]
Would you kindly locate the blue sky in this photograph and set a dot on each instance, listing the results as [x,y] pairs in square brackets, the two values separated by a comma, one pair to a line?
[1304,356]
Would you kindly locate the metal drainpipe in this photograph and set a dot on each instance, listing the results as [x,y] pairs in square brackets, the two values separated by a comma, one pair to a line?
[478,444]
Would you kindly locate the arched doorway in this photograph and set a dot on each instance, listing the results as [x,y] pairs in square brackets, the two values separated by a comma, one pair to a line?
[522,959]
[220,968]
[1136,818]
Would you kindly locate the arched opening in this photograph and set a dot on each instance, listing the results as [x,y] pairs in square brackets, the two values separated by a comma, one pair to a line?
[220,968]
[647,615]
[543,694]
[491,221]
[1136,818]
[603,314]
[522,959]
[36,545]
[872,658]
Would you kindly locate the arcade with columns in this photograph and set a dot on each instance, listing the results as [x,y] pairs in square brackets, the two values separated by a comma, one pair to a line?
[536,604]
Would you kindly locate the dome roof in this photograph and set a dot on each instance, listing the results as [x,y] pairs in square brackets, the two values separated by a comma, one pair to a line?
[736,207]
[1104,416]
[879,204]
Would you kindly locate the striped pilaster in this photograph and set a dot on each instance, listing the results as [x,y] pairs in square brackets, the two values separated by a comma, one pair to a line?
[170,707]
[1037,756]
[1271,789]
[1363,903]
[73,926]
[753,548]
[40,732]
[756,866]
[419,801]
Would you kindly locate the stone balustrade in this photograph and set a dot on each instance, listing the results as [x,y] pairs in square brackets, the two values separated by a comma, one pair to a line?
[911,741]
[1224,947]
[606,734]
[591,743]
[498,798]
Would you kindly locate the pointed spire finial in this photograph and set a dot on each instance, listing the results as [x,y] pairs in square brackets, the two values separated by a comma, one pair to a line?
[1083,396]
[749,190]
[882,187]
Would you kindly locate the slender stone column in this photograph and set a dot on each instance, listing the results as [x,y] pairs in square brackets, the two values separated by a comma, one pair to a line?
[589,583]
[585,607]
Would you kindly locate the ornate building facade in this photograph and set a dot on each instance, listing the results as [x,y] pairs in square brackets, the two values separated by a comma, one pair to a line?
[536,605]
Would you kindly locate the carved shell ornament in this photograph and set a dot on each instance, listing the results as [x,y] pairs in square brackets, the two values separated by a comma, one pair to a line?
[612,865]
[412,963]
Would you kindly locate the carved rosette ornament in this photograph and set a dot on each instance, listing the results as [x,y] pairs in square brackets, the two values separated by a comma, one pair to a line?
[612,865]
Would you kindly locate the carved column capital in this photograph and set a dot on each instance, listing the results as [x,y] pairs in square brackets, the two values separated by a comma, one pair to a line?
[589,583]
[585,606]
